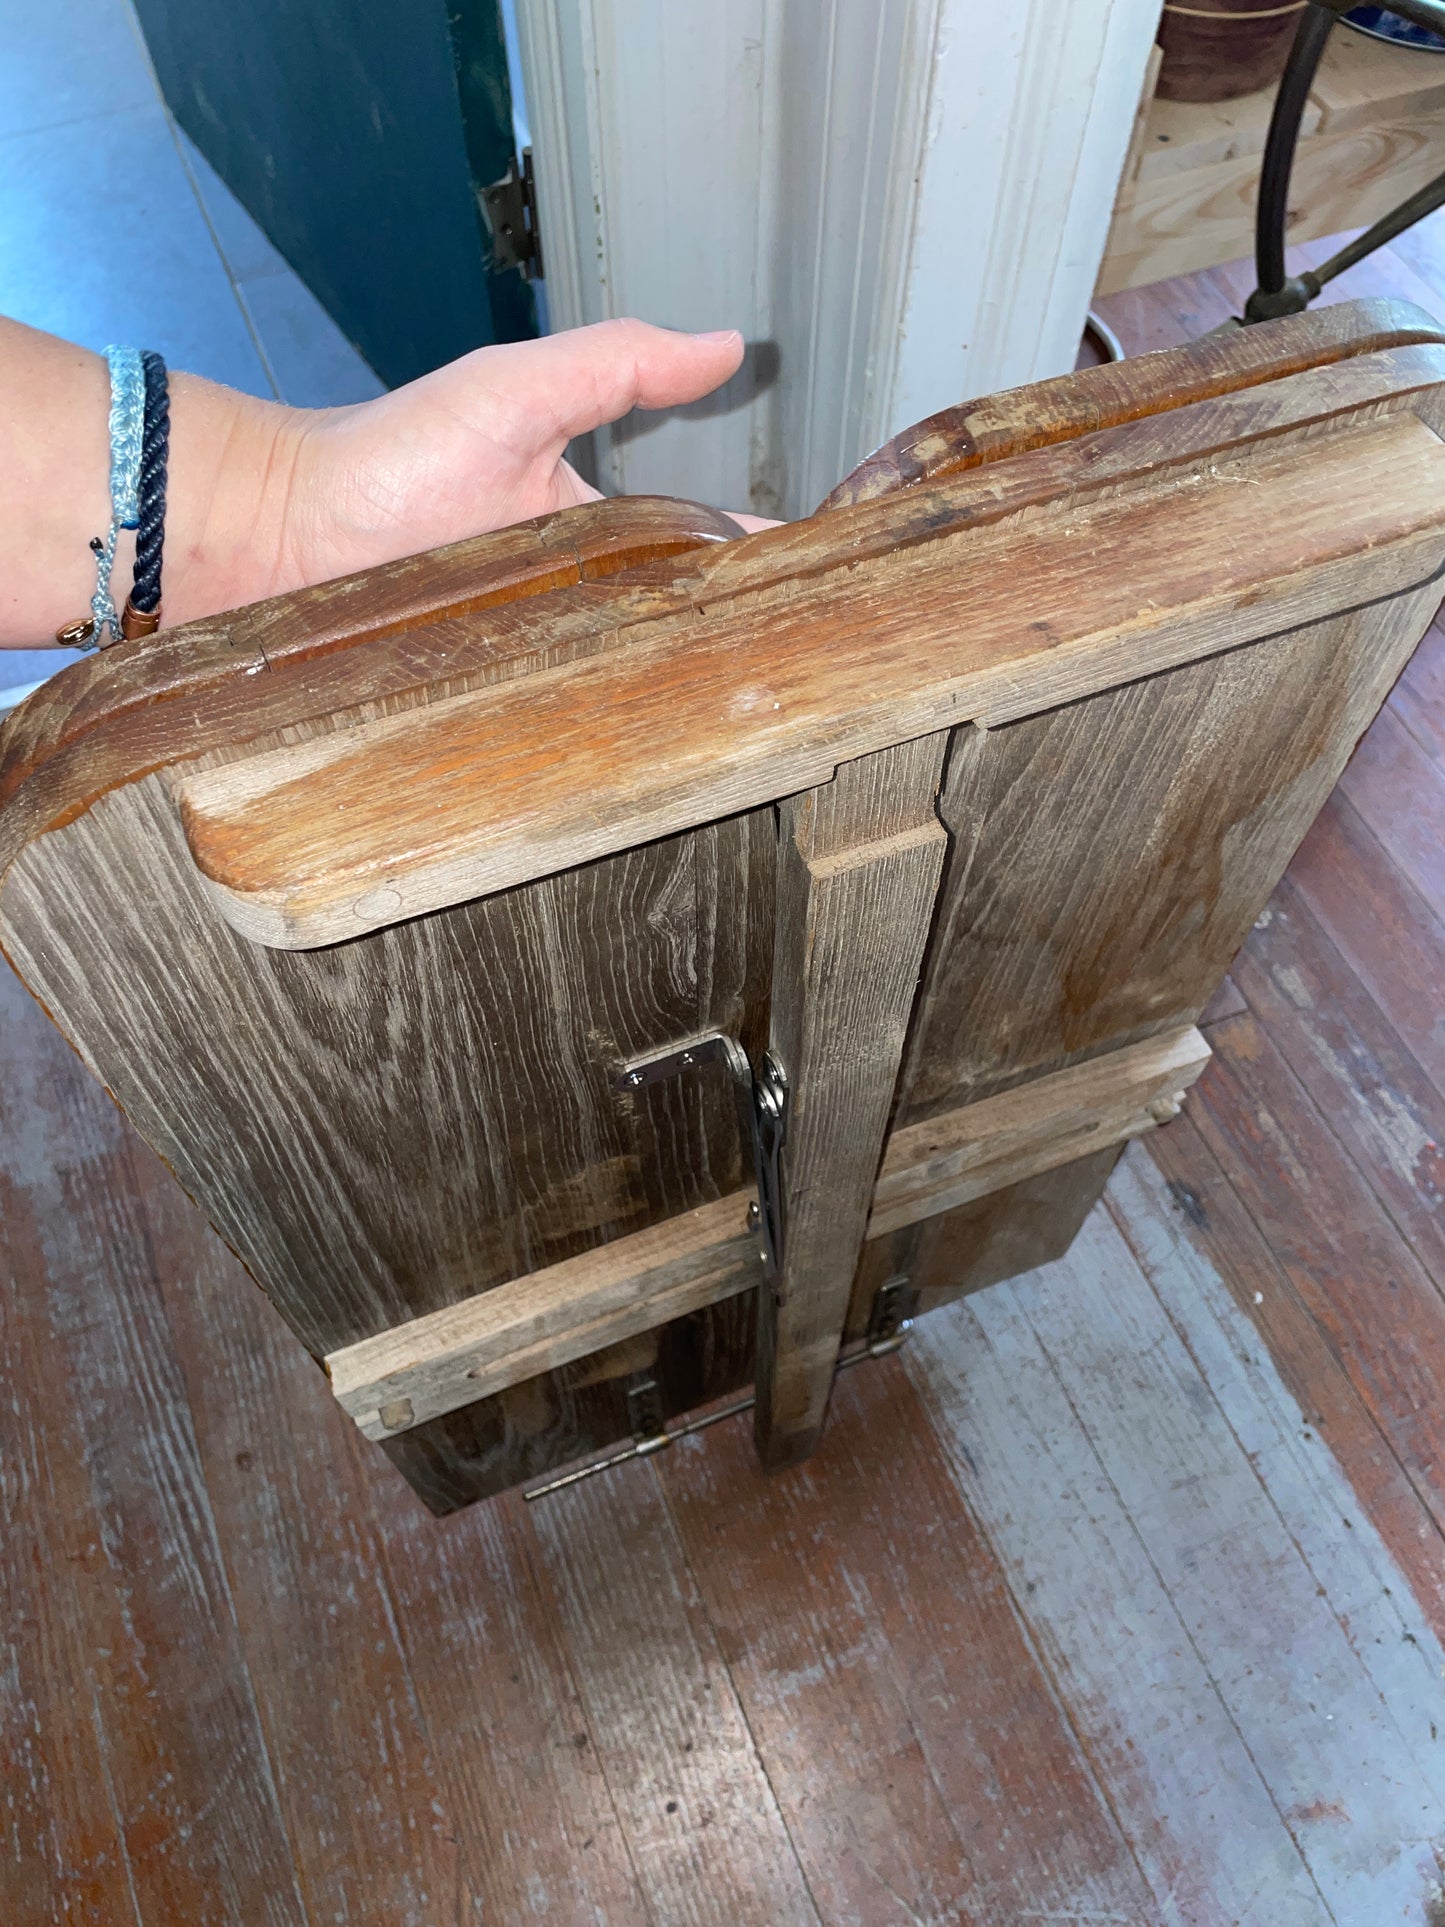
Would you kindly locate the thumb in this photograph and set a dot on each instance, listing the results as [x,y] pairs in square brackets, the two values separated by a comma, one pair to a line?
[588,376]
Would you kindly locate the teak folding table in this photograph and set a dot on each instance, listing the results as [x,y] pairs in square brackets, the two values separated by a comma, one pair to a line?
[602,966]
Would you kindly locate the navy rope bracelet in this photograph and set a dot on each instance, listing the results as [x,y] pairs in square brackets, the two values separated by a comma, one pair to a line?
[142,609]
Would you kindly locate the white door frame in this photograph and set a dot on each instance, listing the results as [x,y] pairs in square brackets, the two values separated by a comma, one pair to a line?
[900,202]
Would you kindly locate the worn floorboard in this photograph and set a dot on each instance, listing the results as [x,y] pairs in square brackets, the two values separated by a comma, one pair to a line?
[1362,1283]
[701,1819]
[1234,1249]
[185,1765]
[1200,1819]
[332,1678]
[62,1849]
[868,1620]
[514,1749]
[1344,1557]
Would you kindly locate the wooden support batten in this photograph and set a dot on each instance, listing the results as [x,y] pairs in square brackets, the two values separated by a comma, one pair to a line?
[435,1364]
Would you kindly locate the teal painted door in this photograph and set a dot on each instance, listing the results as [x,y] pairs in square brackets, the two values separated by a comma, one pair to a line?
[358,133]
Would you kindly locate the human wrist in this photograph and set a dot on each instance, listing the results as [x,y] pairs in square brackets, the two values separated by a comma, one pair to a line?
[233,460]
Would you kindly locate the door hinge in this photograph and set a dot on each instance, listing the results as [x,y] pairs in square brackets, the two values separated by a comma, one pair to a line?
[510,208]
[762,1103]
[894,1304]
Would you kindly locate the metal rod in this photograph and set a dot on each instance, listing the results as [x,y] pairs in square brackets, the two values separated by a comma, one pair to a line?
[1422,202]
[1272,212]
[1109,343]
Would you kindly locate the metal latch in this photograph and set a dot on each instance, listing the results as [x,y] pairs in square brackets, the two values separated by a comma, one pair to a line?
[510,207]
[762,1101]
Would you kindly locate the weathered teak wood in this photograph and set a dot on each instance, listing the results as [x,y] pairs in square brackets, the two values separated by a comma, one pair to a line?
[358,901]
[488,1343]
[981,1148]
[860,854]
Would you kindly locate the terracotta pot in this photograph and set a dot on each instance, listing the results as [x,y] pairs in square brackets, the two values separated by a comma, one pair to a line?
[1220,49]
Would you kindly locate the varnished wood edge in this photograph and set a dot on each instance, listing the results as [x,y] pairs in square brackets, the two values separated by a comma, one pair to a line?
[990,429]
[591,542]
[288,910]
[436,1364]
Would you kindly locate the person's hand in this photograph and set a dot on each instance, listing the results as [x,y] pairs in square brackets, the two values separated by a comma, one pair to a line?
[480,443]
[262,498]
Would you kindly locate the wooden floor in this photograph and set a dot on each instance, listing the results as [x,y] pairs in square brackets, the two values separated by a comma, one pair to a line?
[1116,1597]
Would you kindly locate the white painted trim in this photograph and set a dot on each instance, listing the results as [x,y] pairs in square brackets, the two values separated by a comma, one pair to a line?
[900,202]
[1024,150]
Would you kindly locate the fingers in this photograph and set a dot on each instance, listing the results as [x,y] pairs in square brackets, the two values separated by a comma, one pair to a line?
[578,380]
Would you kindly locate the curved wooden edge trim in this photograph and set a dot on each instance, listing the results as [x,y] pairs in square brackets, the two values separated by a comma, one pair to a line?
[313,843]
[988,430]
[594,541]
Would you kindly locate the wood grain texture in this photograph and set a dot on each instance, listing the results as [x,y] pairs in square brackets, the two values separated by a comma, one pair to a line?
[876,1650]
[387,1129]
[1418,699]
[985,430]
[1176,223]
[1100,1432]
[1398,792]
[1064,1668]
[1381,925]
[1372,132]
[1210,1219]
[961,1155]
[310,844]
[192,1791]
[487,1343]
[511,1150]
[254,676]
[61,1838]
[1379,1102]
[696,1807]
[519,1758]
[1148,1716]
[1016,1228]
[332,1679]
[459,1123]
[1114,1349]
[1321,1221]
[1357,1542]
[180,690]
[1110,856]
[862,855]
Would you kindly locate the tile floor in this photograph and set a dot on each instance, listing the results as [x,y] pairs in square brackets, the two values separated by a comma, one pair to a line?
[94,174]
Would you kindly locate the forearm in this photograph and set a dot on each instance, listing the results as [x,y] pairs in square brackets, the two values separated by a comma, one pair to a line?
[230,473]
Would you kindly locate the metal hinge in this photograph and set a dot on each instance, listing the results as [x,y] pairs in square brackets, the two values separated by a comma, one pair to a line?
[893,1306]
[891,1313]
[762,1100]
[510,207]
